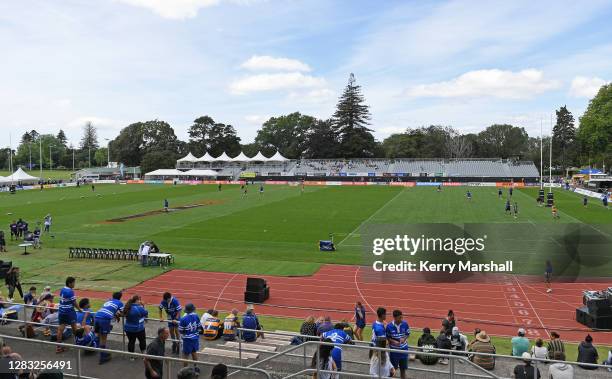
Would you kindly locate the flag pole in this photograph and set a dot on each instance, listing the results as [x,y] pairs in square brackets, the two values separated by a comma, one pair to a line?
[550,158]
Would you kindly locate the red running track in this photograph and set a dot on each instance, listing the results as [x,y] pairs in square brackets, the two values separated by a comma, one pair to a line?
[499,307]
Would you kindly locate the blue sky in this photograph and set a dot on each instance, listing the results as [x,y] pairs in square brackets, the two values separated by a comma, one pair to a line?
[466,64]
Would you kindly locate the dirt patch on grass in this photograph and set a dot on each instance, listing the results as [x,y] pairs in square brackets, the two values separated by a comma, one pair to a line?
[162,211]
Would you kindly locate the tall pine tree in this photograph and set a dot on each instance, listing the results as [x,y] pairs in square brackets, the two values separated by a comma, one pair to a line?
[564,134]
[61,137]
[351,121]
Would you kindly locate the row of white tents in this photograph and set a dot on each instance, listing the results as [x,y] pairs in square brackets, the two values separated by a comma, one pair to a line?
[18,176]
[259,157]
[171,173]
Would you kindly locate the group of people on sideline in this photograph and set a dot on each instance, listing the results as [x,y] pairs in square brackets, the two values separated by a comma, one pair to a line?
[20,230]
[184,328]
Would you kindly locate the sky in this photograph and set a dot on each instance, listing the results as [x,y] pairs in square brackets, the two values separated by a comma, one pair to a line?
[466,64]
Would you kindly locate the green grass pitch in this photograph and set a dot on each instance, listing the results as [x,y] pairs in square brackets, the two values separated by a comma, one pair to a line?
[275,233]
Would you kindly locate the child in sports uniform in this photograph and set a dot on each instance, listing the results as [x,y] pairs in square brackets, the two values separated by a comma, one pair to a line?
[548,276]
[508,208]
[469,195]
[555,212]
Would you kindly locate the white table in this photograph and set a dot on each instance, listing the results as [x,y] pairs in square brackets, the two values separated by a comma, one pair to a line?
[159,257]
[25,246]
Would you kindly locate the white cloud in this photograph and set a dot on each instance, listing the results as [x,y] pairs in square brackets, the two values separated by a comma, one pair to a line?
[273,82]
[256,118]
[173,9]
[314,96]
[583,86]
[266,62]
[488,83]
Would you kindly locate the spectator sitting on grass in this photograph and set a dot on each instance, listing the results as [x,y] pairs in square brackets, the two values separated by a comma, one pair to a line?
[526,371]
[560,370]
[476,331]
[428,343]
[539,350]
[30,297]
[206,316]
[443,341]
[587,353]
[326,326]
[2,242]
[250,321]
[380,363]
[555,344]
[308,328]
[230,324]
[459,341]
[520,344]
[483,344]
[212,328]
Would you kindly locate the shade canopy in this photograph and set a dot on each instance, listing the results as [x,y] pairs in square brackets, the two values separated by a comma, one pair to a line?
[590,171]
[199,172]
[223,158]
[19,176]
[206,158]
[165,172]
[259,157]
[188,158]
[278,157]
[241,158]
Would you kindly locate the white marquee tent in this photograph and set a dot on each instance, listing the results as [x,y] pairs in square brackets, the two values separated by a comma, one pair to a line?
[278,157]
[259,157]
[188,158]
[206,158]
[200,172]
[223,158]
[19,176]
[241,158]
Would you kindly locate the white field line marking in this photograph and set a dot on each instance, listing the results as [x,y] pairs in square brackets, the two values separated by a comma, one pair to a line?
[372,216]
[359,291]
[531,305]
[223,289]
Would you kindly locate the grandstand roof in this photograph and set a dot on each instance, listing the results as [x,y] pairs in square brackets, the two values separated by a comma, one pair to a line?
[278,157]
[241,158]
[165,172]
[259,157]
[188,158]
[197,172]
[206,158]
[223,158]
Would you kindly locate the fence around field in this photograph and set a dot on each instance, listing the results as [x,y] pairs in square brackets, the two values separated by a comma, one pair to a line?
[299,353]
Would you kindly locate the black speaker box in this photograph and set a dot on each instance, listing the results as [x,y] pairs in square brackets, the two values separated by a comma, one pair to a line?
[255,284]
[254,297]
[593,321]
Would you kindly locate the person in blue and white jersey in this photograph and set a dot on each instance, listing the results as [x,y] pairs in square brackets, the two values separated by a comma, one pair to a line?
[397,336]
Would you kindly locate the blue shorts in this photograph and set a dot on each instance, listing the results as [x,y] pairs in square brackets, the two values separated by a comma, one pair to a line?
[399,360]
[360,324]
[172,325]
[191,346]
[337,356]
[67,318]
[102,326]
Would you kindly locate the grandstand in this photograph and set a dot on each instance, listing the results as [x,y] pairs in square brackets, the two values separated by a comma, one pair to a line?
[402,169]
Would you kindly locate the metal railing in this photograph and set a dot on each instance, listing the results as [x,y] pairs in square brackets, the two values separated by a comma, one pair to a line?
[453,357]
[168,361]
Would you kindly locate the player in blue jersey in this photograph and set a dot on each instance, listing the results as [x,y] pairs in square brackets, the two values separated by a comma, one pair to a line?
[468,195]
[379,325]
[499,193]
[190,327]
[66,310]
[604,200]
[397,336]
[84,336]
[102,324]
[172,308]
[360,320]
[508,207]
[339,338]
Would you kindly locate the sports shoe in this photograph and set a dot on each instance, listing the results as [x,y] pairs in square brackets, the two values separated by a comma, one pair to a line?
[549,290]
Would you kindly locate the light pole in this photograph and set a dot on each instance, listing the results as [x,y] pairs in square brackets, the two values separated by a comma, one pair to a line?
[72,148]
[107,152]
[50,159]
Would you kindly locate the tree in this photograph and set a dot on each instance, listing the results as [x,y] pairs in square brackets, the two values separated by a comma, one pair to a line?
[90,137]
[350,120]
[128,146]
[61,137]
[45,143]
[503,141]
[101,157]
[250,149]
[595,131]
[564,134]
[286,134]
[400,145]
[321,140]
[206,135]
[156,159]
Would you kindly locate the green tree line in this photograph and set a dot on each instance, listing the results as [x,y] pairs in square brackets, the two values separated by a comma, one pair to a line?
[345,134]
